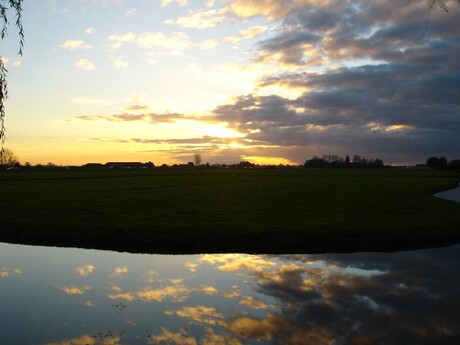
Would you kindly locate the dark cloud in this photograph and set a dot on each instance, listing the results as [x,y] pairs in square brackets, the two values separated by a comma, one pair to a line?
[408,105]
[403,100]
[252,110]
[290,45]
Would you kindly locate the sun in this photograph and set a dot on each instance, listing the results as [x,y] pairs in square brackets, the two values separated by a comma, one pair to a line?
[234,145]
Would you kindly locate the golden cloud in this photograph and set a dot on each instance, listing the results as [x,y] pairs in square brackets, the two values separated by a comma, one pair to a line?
[119,294]
[178,293]
[265,329]
[191,266]
[85,270]
[83,340]
[167,337]
[75,290]
[201,314]
[209,290]
[200,19]
[213,339]
[253,31]
[238,262]
[233,294]
[272,9]
[6,272]
[273,328]
[88,340]
[252,302]
[119,271]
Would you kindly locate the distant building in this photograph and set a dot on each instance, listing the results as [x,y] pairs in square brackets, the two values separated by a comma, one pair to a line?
[125,165]
[93,166]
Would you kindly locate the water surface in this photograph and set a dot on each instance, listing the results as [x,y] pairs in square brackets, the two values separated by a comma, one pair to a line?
[452,194]
[76,296]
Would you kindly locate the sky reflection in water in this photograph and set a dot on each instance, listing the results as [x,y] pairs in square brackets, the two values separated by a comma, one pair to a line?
[77,297]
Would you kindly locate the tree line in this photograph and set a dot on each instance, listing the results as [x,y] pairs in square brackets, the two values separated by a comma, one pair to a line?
[9,159]
[334,161]
[442,163]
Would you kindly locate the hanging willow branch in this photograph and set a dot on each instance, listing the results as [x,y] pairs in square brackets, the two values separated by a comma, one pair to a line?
[441,3]
[5,6]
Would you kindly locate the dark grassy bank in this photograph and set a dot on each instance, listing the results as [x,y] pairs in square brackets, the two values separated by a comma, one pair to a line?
[194,211]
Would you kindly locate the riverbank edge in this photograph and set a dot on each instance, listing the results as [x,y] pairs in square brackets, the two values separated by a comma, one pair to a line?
[277,243]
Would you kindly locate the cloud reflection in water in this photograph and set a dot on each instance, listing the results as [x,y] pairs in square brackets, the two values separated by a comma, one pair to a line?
[395,298]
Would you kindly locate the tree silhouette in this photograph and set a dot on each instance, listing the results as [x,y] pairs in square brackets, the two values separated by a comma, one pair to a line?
[16,6]
[8,158]
[197,159]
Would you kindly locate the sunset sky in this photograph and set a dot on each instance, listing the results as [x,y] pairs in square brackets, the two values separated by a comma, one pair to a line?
[270,81]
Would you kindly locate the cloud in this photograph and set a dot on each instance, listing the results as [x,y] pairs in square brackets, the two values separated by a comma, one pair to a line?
[209,290]
[83,340]
[131,12]
[139,117]
[323,78]
[323,286]
[168,337]
[176,293]
[201,314]
[176,41]
[85,270]
[120,271]
[376,108]
[6,272]
[181,3]
[212,338]
[84,64]
[75,44]
[238,262]
[200,19]
[273,328]
[117,294]
[119,63]
[75,290]
[272,9]
[252,302]
[253,31]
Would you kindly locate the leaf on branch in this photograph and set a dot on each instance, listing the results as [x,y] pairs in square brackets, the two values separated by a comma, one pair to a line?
[443,5]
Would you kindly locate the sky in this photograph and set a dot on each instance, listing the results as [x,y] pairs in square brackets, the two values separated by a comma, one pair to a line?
[269,81]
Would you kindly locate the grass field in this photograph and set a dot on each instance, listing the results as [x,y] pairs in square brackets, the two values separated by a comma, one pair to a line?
[194,211]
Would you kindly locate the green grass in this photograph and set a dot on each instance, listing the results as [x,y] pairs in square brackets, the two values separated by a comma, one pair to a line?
[191,211]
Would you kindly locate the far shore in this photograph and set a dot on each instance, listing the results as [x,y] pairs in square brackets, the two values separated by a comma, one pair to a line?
[240,211]
[314,245]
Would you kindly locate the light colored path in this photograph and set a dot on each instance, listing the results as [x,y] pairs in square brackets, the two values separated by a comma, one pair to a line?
[453,194]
